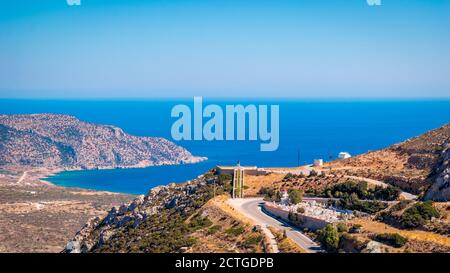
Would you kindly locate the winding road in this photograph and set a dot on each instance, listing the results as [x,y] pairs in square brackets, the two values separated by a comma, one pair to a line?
[252,208]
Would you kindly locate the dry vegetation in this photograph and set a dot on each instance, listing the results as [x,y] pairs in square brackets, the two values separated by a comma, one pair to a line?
[408,165]
[418,240]
[227,232]
[39,217]
[285,245]
[254,183]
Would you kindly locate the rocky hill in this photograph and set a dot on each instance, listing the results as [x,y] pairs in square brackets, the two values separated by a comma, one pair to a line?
[440,189]
[52,140]
[172,218]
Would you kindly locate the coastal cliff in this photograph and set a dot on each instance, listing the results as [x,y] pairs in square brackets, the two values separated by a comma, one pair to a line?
[63,141]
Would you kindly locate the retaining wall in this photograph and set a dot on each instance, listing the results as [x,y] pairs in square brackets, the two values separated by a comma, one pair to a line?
[300,220]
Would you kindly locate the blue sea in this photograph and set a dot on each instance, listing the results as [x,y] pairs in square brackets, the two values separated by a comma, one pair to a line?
[309,128]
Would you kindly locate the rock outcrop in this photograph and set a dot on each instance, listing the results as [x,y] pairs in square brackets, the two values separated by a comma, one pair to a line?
[135,226]
[440,189]
[52,140]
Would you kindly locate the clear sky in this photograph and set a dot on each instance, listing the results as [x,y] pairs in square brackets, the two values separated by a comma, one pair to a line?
[279,48]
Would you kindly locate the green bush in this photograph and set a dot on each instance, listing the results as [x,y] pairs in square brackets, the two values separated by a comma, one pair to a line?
[361,190]
[353,203]
[401,205]
[418,215]
[300,210]
[199,222]
[225,177]
[356,228]
[341,227]
[267,192]
[295,196]
[254,240]
[213,229]
[392,239]
[270,194]
[289,176]
[329,237]
[235,231]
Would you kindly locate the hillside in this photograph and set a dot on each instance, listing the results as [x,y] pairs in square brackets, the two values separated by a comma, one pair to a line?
[187,218]
[52,140]
[419,165]
[174,218]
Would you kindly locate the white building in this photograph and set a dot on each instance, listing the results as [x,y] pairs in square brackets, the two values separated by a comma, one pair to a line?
[344,155]
[318,162]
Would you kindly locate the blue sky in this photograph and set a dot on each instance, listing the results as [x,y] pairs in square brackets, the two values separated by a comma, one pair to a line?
[302,48]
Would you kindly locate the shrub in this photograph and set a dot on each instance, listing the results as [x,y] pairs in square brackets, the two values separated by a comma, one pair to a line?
[418,215]
[341,227]
[227,186]
[401,205]
[295,196]
[225,177]
[235,231]
[356,228]
[388,193]
[270,194]
[392,239]
[266,191]
[288,176]
[329,237]
[362,191]
[427,210]
[213,229]
[300,210]
[254,240]
[199,222]
[353,203]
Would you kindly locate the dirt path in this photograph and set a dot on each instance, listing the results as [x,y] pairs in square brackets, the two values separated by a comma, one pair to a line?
[22,177]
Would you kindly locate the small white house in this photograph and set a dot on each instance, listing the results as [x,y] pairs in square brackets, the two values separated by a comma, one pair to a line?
[344,155]
[318,162]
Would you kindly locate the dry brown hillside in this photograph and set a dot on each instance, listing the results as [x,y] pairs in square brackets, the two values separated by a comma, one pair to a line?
[412,165]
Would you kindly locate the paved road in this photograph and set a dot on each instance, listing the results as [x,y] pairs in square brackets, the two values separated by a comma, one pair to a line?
[251,207]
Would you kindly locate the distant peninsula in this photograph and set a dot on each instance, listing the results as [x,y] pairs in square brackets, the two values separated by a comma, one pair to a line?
[63,141]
